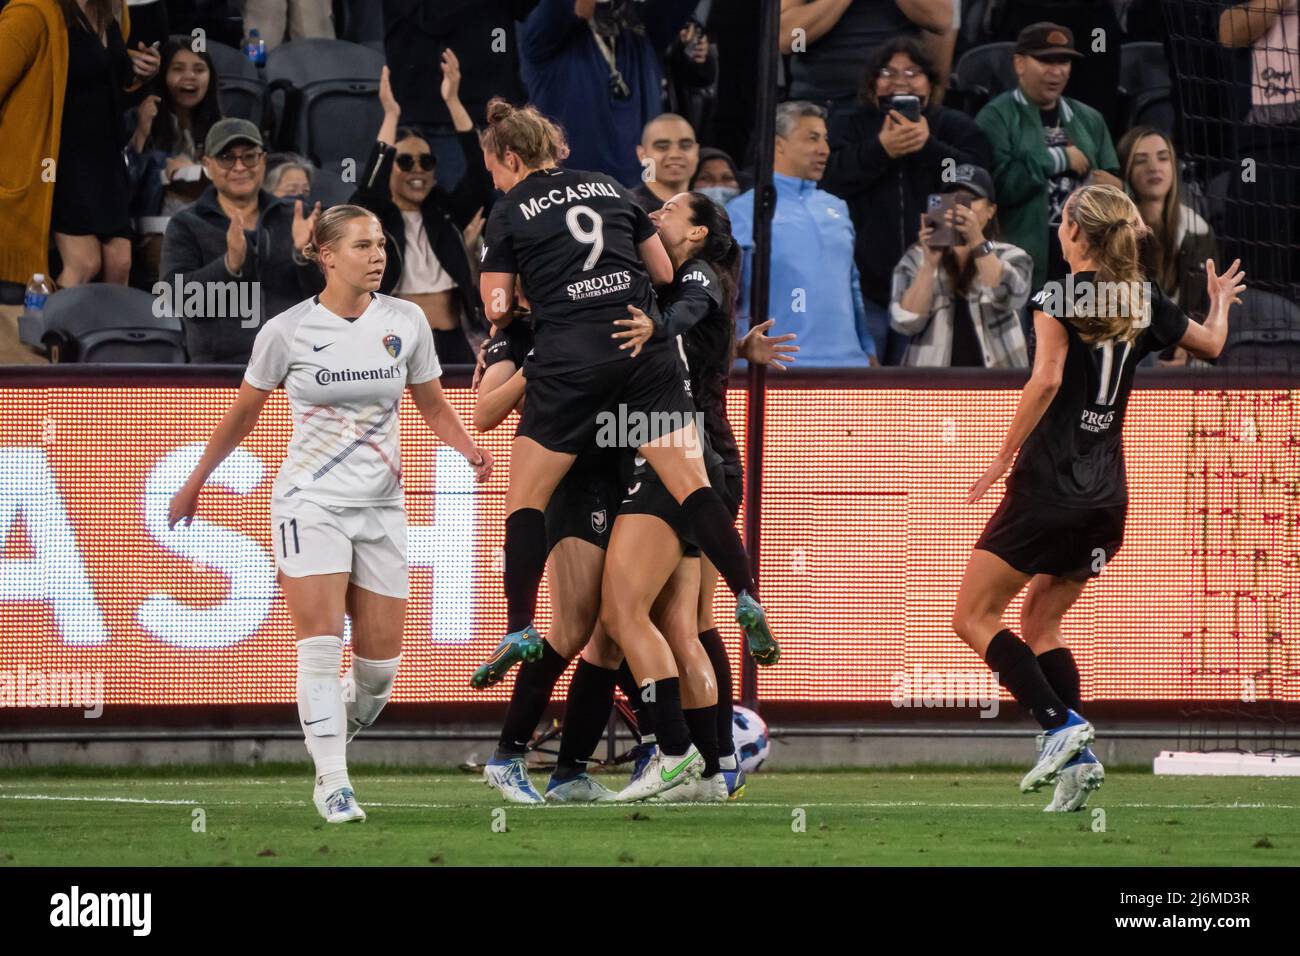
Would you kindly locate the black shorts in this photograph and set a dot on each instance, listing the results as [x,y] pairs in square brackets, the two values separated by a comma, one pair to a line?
[732,490]
[563,412]
[1035,537]
[584,505]
[650,497]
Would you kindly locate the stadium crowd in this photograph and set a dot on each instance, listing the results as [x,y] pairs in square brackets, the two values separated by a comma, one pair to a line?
[124,163]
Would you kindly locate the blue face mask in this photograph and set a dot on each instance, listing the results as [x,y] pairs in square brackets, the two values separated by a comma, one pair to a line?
[720,194]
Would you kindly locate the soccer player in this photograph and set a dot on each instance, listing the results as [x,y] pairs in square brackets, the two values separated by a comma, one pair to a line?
[1062,517]
[338,521]
[584,251]
[700,308]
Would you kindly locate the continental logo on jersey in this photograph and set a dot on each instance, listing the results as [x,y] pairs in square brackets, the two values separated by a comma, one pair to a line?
[327,377]
[558,197]
[393,343]
[619,281]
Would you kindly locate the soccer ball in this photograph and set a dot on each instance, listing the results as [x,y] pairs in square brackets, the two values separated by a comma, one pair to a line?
[752,742]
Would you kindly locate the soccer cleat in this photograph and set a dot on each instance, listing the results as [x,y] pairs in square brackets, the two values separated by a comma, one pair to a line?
[510,776]
[1056,748]
[1077,781]
[338,806]
[579,789]
[735,778]
[753,621]
[515,647]
[662,773]
[701,790]
[641,756]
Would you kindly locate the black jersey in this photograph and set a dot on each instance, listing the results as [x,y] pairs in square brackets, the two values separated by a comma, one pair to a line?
[571,237]
[694,309]
[1074,457]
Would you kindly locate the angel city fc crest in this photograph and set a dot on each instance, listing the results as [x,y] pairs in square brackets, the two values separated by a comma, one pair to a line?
[599,521]
[394,344]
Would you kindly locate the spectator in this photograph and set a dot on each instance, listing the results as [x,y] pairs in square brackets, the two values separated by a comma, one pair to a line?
[692,75]
[429,227]
[885,166]
[302,19]
[960,304]
[1044,145]
[484,32]
[814,289]
[1180,242]
[669,156]
[238,232]
[828,37]
[163,154]
[716,176]
[734,29]
[291,176]
[595,68]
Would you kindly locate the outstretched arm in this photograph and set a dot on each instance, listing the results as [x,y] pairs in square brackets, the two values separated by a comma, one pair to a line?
[442,419]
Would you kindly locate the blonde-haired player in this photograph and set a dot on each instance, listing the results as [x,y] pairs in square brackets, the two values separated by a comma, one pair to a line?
[338,522]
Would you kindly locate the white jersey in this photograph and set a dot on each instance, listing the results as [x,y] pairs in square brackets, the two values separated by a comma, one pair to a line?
[345,381]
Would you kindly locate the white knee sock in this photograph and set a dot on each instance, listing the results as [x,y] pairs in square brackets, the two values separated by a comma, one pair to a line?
[374,683]
[320,708]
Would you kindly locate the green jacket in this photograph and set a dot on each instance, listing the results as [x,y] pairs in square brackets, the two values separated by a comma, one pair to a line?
[1022,164]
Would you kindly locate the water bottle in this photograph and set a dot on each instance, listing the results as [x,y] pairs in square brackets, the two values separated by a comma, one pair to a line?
[255,48]
[38,291]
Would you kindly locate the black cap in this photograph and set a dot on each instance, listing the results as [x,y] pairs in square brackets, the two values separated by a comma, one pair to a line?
[1046,39]
[230,130]
[974,178]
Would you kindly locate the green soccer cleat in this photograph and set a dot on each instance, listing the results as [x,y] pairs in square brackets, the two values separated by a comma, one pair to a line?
[515,648]
[762,645]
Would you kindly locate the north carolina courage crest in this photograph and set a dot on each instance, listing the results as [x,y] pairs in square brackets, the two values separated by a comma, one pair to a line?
[394,344]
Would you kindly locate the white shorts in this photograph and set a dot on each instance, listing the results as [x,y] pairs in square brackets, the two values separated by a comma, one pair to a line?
[369,543]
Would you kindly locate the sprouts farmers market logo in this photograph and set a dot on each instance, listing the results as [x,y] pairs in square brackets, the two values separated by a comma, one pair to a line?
[21,687]
[209,300]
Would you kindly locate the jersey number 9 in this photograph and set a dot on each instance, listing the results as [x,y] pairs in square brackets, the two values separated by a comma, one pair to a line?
[593,237]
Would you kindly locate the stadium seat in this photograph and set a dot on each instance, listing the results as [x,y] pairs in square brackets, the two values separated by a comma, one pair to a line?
[325,99]
[1263,334]
[982,73]
[329,189]
[1217,198]
[240,87]
[1145,88]
[107,323]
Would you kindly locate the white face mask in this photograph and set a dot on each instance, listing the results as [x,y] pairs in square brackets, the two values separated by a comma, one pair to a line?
[720,194]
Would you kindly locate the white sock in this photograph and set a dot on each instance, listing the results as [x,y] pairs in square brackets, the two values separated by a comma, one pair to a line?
[728,762]
[320,708]
[374,684]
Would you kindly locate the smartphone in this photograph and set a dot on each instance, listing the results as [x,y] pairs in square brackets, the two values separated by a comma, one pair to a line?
[936,210]
[908,105]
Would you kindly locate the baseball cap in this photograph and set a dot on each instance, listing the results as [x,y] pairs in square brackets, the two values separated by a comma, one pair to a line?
[230,130]
[1046,39]
[974,178]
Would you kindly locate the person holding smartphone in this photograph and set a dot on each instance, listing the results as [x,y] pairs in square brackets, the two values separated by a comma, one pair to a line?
[888,156]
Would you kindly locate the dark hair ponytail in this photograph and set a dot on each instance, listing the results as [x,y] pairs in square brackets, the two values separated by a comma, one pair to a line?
[720,249]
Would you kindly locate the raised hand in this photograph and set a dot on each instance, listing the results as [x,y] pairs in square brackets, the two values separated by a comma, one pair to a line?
[386,98]
[303,226]
[236,245]
[1226,288]
[762,349]
[450,76]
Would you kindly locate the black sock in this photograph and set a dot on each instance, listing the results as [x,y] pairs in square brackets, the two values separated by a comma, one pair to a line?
[1018,671]
[645,718]
[717,652]
[703,725]
[1063,674]
[525,562]
[591,692]
[670,726]
[715,532]
[528,700]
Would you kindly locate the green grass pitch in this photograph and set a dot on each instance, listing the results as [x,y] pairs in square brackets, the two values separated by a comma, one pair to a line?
[263,817]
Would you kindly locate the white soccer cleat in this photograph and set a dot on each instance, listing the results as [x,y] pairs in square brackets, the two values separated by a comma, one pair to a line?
[1078,780]
[1056,748]
[510,777]
[338,806]
[579,789]
[701,790]
[662,773]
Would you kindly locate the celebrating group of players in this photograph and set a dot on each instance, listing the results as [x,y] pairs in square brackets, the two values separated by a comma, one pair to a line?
[603,314]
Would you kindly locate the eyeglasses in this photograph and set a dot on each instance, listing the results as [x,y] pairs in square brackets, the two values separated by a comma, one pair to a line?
[248,160]
[406,161]
[887,74]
